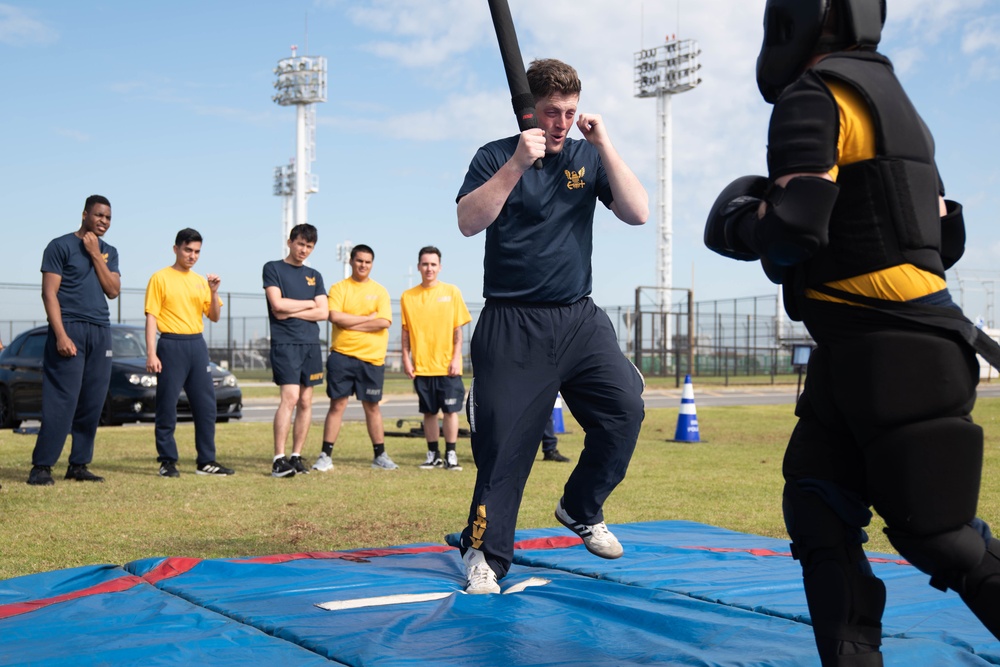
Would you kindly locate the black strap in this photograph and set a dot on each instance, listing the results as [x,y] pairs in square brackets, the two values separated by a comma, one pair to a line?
[939,317]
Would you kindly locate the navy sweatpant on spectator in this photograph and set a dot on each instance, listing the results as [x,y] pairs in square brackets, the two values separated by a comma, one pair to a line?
[522,356]
[73,393]
[185,366]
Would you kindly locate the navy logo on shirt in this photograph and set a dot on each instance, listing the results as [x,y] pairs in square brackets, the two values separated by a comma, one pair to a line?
[575,181]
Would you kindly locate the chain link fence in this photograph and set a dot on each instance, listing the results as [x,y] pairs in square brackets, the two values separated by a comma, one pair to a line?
[725,338]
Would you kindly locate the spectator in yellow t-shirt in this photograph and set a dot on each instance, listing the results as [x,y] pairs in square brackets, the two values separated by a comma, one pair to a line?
[433,315]
[361,314]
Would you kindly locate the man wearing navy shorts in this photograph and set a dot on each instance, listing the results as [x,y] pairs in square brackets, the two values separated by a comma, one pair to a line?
[78,271]
[296,301]
[539,333]
[361,314]
[433,314]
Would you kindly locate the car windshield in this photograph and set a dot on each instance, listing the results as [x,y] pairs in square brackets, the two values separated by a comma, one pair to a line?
[127,343]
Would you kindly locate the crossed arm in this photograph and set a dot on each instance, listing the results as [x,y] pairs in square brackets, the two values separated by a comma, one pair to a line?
[367,323]
[311,310]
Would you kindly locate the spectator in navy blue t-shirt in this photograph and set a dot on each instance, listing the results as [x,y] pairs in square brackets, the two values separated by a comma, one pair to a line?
[296,302]
[78,271]
[539,332]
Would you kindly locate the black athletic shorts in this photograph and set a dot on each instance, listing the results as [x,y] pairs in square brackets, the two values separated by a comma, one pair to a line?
[348,375]
[297,364]
[439,393]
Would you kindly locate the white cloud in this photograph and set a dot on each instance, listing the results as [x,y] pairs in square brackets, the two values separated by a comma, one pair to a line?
[19,28]
[983,35]
[421,34]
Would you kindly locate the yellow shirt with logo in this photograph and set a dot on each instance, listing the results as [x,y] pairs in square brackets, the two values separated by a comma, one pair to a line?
[178,300]
[855,143]
[354,298]
[430,315]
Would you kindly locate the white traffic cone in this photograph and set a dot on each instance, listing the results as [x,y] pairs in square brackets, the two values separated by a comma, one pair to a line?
[557,416]
[687,419]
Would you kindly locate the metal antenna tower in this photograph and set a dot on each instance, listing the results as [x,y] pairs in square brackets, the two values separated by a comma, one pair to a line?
[301,83]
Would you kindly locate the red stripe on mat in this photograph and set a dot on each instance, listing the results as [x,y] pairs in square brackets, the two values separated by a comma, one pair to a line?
[113,586]
[170,567]
[548,543]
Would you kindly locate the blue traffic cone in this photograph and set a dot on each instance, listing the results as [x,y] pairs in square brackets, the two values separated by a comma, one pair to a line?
[687,419]
[557,416]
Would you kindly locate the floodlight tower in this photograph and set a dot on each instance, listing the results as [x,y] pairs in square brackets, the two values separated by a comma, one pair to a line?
[662,72]
[344,256]
[301,83]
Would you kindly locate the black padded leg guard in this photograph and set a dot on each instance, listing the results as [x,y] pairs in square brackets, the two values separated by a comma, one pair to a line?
[845,598]
[980,588]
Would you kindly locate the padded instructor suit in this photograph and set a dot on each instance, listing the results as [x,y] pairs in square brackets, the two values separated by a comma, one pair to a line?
[884,420]
[538,334]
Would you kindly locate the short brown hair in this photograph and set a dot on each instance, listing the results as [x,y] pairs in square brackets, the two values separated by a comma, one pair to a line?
[548,75]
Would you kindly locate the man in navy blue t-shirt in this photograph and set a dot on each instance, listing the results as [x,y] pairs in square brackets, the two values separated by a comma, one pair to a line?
[296,302]
[539,332]
[78,271]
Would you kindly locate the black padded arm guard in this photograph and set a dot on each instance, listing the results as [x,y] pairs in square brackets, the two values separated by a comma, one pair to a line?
[805,124]
[796,225]
[952,234]
[735,208]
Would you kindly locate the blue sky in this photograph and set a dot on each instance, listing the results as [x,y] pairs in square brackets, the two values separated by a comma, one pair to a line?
[165,107]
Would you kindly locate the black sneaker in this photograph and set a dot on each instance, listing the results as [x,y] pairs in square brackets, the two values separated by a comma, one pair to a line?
[214,468]
[300,467]
[554,455]
[169,469]
[81,474]
[281,467]
[41,476]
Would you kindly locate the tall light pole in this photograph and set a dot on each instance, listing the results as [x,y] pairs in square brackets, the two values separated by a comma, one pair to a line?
[344,256]
[662,72]
[301,83]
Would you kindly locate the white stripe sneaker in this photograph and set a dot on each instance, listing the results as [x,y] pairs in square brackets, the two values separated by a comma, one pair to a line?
[597,538]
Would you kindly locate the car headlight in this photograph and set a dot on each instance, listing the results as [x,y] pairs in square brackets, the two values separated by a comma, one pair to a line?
[142,379]
[229,381]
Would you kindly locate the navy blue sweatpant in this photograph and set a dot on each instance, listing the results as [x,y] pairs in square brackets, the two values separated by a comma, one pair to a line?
[522,356]
[73,393]
[185,366]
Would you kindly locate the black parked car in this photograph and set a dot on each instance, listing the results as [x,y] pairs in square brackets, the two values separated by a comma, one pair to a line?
[131,394]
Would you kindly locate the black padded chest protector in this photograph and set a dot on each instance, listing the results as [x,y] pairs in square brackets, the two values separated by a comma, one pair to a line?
[887,211]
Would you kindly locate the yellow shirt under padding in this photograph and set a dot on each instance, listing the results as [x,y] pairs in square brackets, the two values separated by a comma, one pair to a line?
[855,143]
[430,316]
[354,298]
[178,300]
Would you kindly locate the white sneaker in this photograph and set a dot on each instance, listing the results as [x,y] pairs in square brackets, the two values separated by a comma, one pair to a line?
[433,461]
[479,576]
[451,461]
[323,463]
[384,462]
[597,538]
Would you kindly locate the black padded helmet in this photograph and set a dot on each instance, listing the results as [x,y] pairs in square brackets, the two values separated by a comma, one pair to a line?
[794,32]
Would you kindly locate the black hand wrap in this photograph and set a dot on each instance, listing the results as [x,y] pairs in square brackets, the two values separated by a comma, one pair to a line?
[735,206]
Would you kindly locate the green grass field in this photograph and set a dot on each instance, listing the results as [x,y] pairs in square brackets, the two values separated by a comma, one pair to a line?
[731,479]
